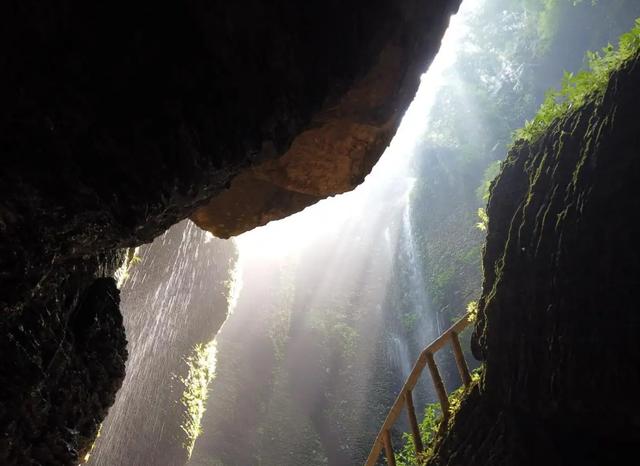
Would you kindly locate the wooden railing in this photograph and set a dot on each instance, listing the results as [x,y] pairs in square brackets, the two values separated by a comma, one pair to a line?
[383,440]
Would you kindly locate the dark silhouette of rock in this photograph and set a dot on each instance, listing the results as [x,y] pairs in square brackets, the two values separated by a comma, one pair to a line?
[558,328]
[60,378]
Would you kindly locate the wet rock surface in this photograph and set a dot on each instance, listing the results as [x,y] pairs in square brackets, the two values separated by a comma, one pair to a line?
[60,375]
[120,119]
[559,326]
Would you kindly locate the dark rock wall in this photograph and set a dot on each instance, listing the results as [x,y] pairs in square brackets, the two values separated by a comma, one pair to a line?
[60,373]
[559,324]
[118,119]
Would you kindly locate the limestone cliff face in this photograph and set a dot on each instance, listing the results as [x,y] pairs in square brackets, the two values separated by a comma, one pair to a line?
[559,325]
[119,119]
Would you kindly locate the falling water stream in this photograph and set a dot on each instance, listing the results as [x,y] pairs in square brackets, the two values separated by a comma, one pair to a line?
[173,299]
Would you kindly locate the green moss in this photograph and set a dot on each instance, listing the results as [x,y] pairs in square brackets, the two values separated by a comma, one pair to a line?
[582,87]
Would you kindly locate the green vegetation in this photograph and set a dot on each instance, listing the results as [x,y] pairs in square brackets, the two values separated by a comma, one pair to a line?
[428,431]
[583,86]
[202,364]
[131,259]
[409,320]
[548,22]
[472,309]
[483,222]
[233,284]
[429,427]
[520,48]
[490,174]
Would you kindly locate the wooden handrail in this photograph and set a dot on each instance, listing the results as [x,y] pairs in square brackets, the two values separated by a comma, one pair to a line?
[383,439]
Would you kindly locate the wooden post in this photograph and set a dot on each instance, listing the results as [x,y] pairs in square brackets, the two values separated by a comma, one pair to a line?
[437,383]
[388,449]
[415,430]
[374,454]
[460,361]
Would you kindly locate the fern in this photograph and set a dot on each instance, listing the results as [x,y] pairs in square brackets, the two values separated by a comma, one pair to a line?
[586,85]
[483,224]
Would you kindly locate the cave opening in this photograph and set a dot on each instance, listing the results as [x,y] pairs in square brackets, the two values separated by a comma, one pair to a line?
[271,305]
[315,302]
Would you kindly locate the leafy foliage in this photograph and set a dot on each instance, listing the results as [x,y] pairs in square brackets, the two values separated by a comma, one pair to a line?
[131,259]
[201,365]
[429,427]
[579,88]
[428,431]
[472,309]
[483,217]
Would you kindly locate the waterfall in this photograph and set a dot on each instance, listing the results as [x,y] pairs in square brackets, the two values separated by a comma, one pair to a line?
[398,355]
[417,280]
[173,299]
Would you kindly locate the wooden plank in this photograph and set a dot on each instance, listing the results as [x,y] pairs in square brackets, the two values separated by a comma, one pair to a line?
[461,362]
[415,429]
[439,385]
[439,342]
[388,449]
[374,454]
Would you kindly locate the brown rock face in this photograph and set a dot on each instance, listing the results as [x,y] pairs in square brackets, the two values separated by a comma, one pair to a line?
[332,154]
[329,159]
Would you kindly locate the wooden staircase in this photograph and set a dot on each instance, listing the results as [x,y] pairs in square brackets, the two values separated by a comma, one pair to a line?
[405,398]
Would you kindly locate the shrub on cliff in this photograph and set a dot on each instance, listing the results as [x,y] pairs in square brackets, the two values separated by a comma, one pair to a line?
[578,88]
